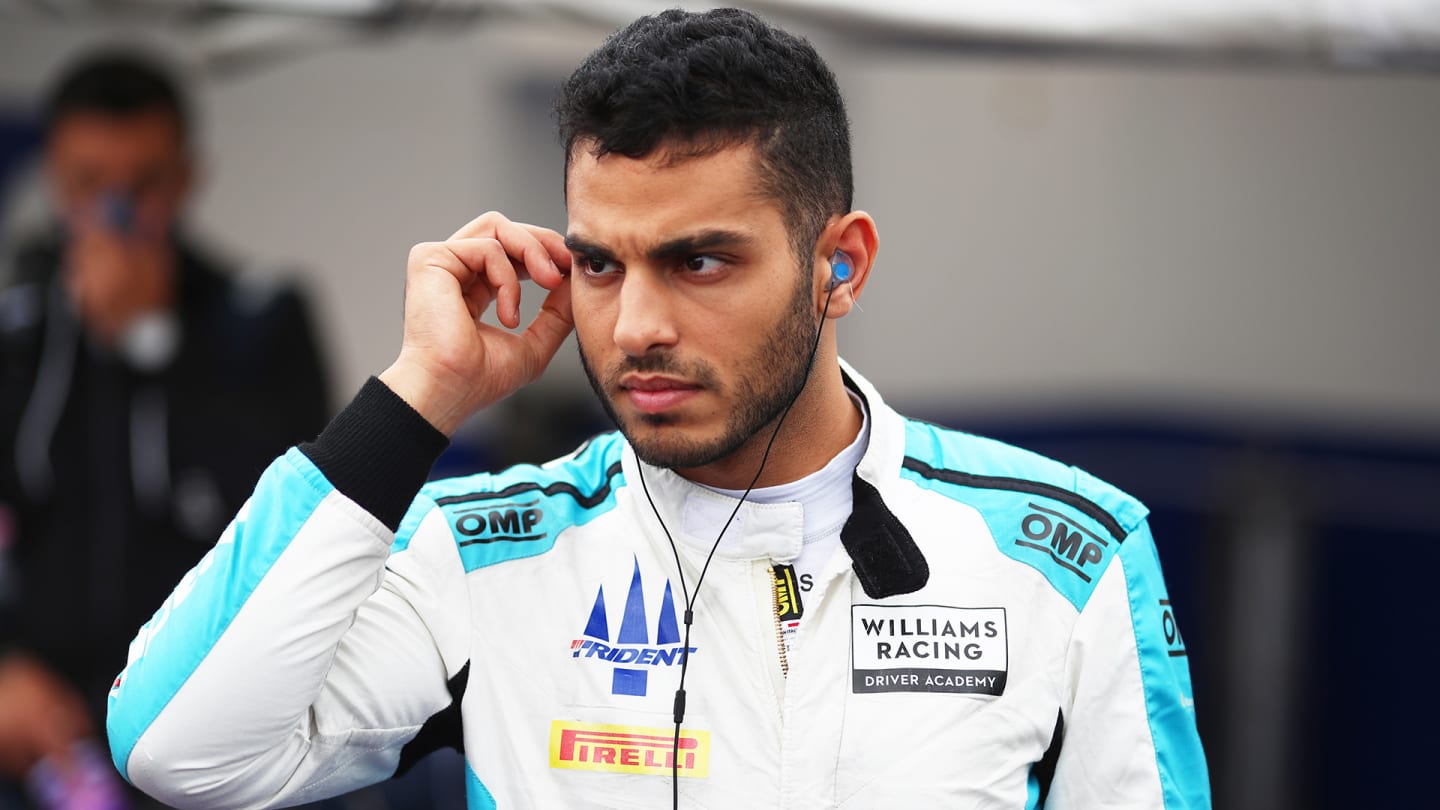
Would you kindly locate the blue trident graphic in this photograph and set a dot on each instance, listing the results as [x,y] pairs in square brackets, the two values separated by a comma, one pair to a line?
[634,629]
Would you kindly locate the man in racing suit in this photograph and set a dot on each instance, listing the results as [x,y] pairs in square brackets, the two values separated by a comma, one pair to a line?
[866,611]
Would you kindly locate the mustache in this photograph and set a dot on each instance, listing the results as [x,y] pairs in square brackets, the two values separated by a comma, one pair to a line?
[663,362]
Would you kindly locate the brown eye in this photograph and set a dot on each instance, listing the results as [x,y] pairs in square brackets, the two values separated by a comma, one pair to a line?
[595,266]
[701,265]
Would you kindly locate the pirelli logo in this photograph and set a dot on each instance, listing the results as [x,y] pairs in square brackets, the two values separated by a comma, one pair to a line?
[627,749]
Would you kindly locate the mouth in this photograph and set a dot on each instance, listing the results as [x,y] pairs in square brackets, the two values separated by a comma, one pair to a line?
[655,394]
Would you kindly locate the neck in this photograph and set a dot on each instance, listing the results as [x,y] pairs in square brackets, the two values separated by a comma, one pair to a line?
[822,422]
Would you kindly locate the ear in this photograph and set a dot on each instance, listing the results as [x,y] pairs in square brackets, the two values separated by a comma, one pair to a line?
[854,233]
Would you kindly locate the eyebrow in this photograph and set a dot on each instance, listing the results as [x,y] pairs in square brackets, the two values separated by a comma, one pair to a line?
[673,250]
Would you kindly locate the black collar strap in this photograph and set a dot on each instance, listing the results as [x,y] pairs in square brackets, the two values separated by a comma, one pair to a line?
[883,554]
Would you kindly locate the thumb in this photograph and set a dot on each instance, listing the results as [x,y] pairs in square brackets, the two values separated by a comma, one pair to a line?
[551,326]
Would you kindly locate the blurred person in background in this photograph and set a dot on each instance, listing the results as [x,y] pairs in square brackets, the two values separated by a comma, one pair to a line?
[142,390]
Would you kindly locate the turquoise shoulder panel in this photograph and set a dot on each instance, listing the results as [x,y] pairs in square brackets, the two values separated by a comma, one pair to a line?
[1165,677]
[517,513]
[477,796]
[1061,521]
[190,622]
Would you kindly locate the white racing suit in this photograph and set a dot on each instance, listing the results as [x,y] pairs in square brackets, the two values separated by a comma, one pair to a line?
[994,633]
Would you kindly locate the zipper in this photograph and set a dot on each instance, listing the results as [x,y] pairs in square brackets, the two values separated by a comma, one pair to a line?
[779,630]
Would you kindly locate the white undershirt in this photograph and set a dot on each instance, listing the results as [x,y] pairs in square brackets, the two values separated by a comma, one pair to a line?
[826,498]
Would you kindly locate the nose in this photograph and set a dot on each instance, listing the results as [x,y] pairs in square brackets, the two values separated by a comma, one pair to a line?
[645,320]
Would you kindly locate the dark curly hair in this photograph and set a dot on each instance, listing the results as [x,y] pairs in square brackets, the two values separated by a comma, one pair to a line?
[696,83]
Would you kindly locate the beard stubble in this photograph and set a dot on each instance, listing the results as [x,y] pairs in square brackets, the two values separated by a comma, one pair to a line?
[768,382]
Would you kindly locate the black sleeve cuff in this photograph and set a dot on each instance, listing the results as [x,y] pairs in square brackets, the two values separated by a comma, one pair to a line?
[378,452]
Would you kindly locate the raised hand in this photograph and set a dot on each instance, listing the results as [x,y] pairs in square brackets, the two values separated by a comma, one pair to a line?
[451,364]
[114,278]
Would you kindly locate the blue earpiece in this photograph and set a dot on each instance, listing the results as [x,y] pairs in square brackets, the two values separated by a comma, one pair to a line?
[839,269]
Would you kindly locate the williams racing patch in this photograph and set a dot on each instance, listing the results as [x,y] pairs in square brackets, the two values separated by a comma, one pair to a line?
[928,648]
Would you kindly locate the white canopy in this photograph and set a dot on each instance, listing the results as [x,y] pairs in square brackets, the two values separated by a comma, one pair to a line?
[1347,33]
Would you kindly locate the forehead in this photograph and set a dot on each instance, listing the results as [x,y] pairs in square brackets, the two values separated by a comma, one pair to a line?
[614,198]
[148,131]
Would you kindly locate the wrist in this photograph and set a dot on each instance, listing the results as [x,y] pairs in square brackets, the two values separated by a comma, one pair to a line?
[444,404]
[377,451]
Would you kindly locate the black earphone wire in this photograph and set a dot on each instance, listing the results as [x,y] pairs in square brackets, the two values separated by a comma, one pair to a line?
[684,589]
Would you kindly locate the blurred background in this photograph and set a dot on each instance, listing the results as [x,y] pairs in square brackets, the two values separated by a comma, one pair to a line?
[1190,247]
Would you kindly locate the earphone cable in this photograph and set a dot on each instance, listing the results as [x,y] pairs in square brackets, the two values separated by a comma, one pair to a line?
[679,706]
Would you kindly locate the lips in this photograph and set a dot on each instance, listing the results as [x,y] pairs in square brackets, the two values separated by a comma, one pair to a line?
[657,394]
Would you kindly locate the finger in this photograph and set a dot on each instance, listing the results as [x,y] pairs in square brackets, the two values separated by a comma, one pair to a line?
[483,225]
[551,326]
[489,268]
[528,245]
[95,229]
[462,261]
[84,222]
[541,252]
[554,245]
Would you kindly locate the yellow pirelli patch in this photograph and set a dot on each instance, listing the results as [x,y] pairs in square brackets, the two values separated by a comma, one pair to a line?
[628,749]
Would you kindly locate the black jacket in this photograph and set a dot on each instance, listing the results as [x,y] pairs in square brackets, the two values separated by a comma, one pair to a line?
[117,480]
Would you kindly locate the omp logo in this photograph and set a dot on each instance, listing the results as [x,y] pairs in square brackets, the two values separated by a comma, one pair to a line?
[513,522]
[628,749]
[1072,546]
[632,645]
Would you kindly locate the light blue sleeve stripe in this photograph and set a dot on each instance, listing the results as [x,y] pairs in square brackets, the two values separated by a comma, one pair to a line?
[182,632]
[1165,676]
[477,796]
[1032,791]
[420,509]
